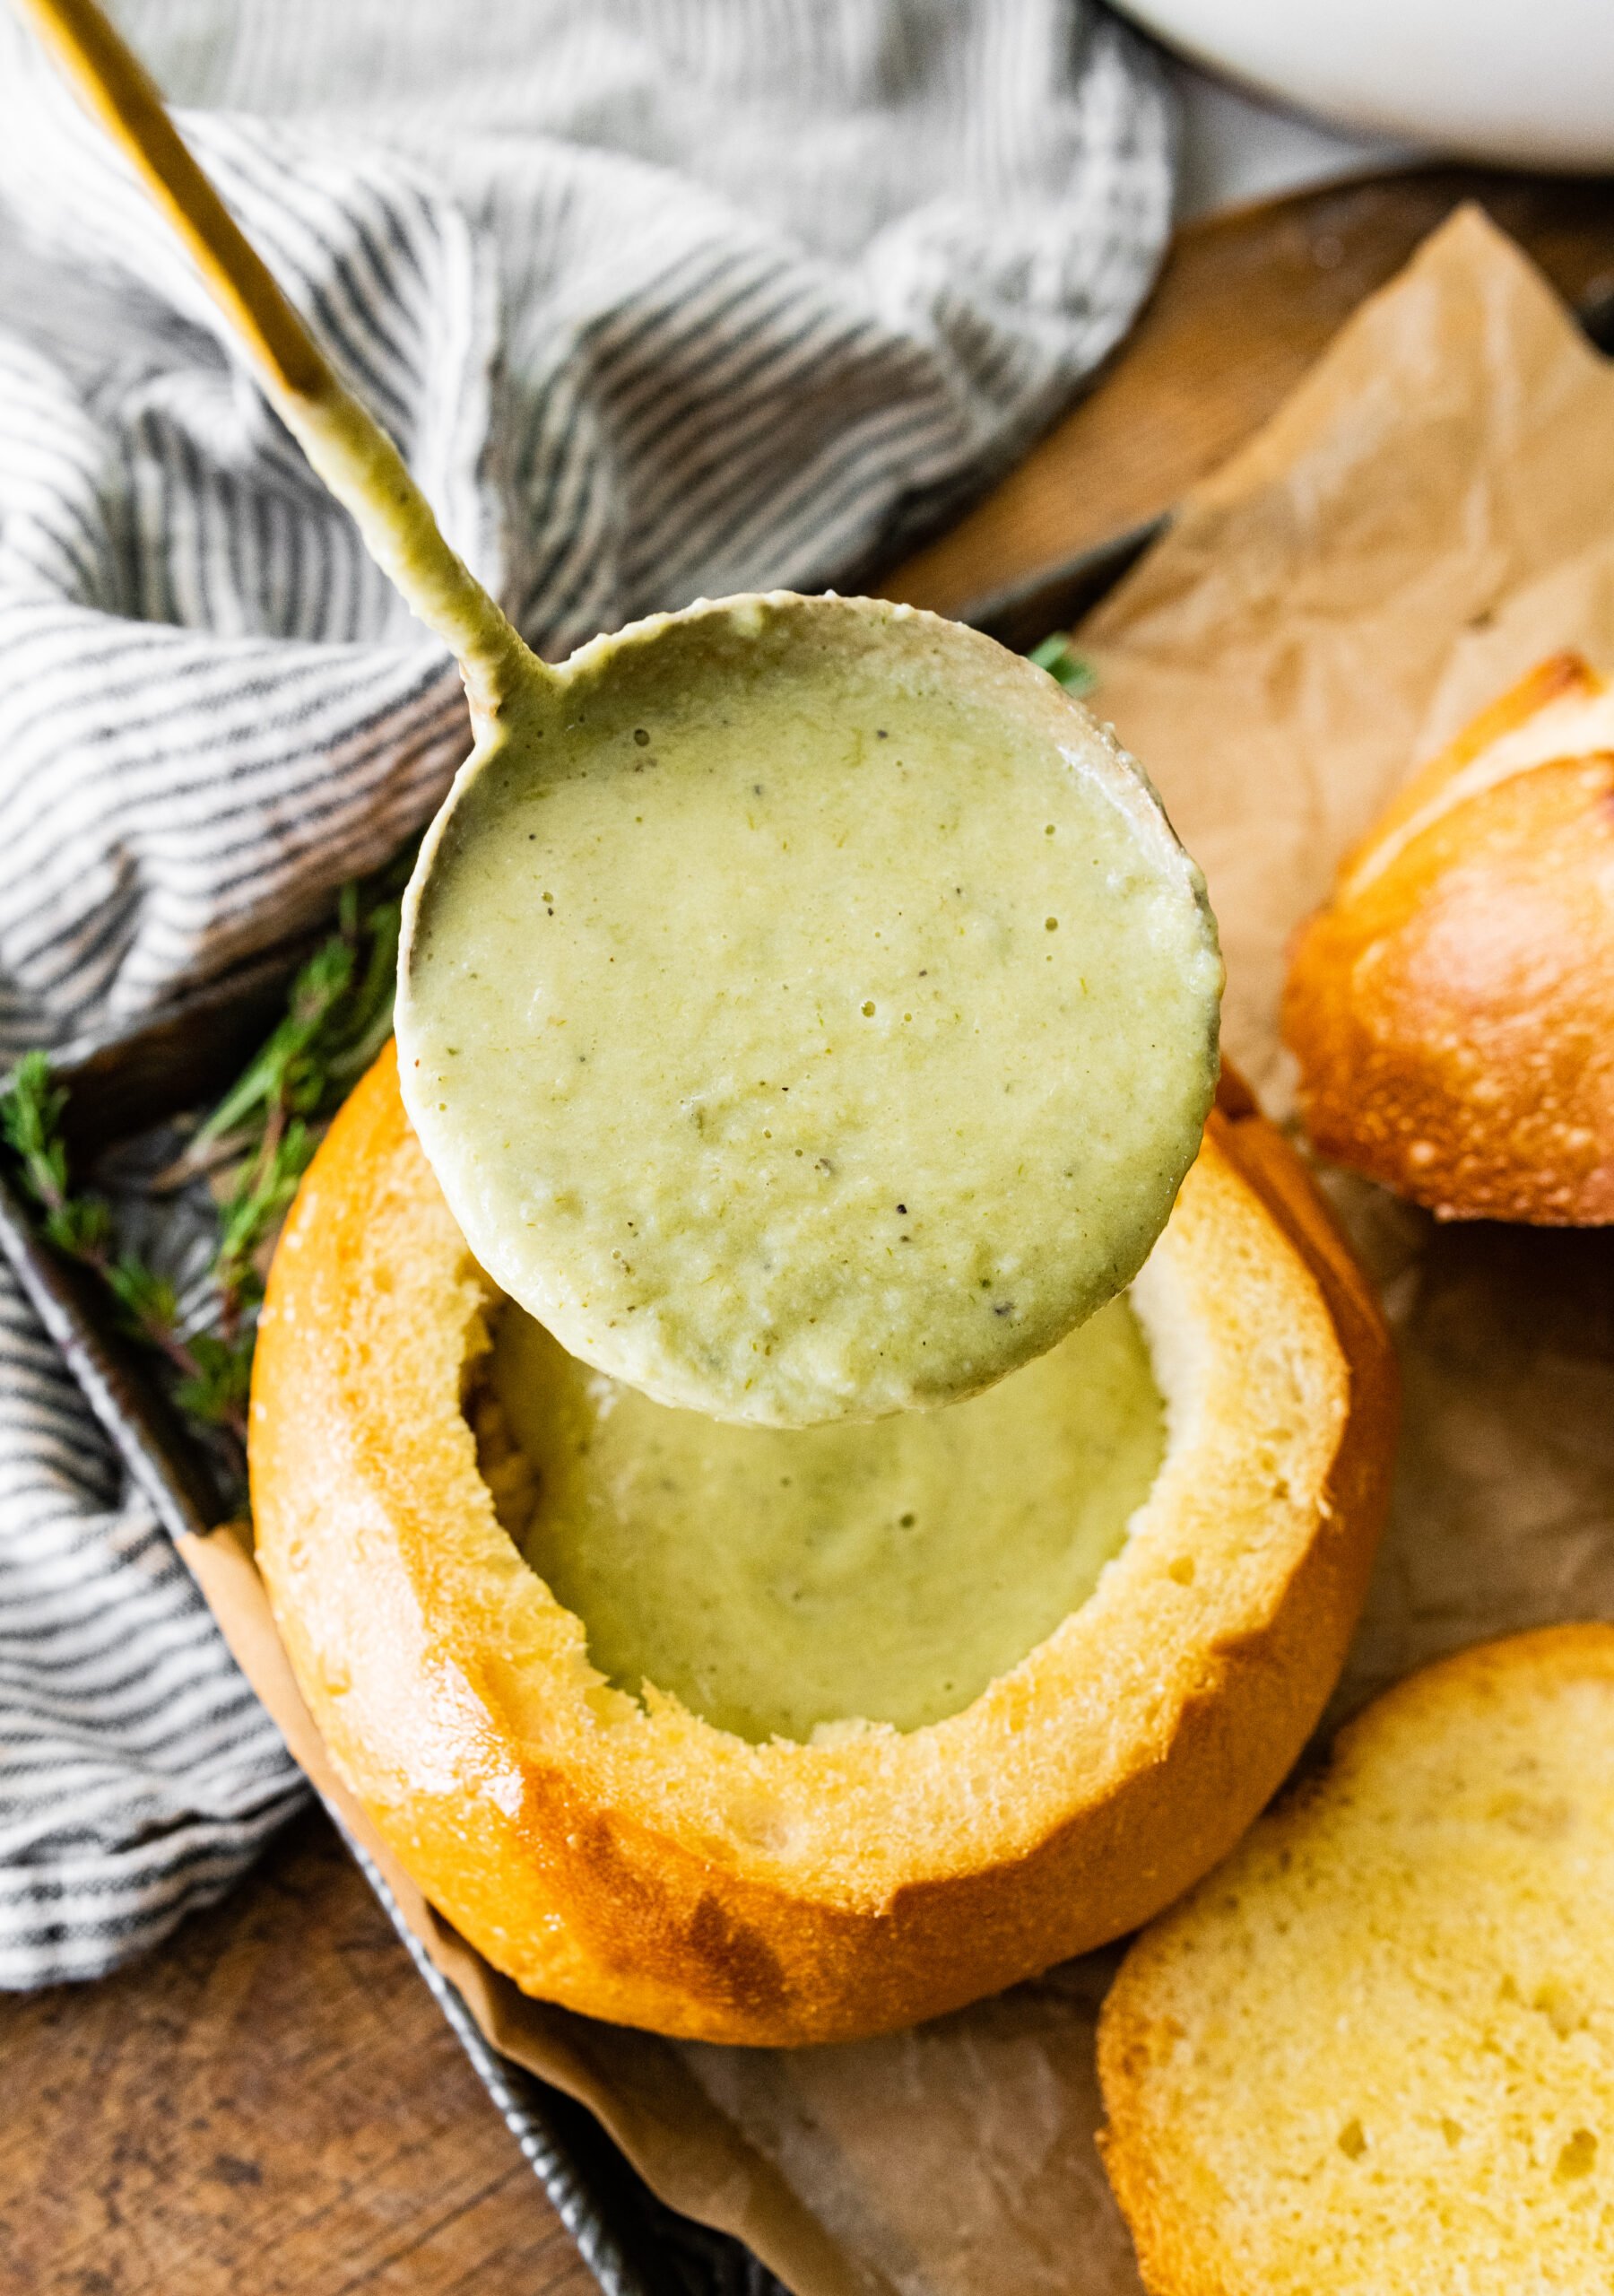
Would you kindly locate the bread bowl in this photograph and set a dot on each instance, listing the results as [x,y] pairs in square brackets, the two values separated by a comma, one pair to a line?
[1452,1006]
[644,1867]
[1373,2051]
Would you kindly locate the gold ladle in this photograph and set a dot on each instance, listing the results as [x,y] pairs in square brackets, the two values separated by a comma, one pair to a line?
[902,1230]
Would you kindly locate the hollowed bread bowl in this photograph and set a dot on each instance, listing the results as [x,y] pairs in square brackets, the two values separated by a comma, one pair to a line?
[633,1862]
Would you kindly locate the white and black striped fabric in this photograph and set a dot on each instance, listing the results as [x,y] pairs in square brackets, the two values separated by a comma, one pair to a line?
[660,298]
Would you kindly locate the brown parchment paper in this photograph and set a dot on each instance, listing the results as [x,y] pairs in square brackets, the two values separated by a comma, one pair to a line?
[1431,513]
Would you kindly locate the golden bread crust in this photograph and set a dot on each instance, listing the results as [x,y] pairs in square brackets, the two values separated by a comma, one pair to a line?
[645,1868]
[1367,2051]
[1452,1007]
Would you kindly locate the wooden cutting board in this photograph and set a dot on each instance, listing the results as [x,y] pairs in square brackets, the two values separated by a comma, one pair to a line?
[272,2102]
[1243,305]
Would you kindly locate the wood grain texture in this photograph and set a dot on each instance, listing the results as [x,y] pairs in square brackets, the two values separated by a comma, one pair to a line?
[273,2103]
[1245,304]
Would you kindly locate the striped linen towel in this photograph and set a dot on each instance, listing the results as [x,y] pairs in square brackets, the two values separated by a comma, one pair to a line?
[659,298]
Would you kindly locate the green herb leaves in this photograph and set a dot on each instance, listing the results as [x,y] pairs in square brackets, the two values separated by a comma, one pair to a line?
[253,1149]
[1059,657]
[31,1110]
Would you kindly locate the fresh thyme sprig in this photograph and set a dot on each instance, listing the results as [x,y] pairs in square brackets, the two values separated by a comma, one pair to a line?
[1060,658]
[264,1130]
[254,1147]
[81,1226]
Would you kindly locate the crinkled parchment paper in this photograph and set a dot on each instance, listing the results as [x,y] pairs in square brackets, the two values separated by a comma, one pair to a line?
[1431,513]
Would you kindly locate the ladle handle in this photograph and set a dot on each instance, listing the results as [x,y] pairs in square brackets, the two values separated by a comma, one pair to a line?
[343,440]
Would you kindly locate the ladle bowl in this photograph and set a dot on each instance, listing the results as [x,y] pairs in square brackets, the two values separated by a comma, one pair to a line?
[751,1019]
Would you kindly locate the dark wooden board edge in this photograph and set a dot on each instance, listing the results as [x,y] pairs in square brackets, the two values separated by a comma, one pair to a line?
[1022,613]
[151,1438]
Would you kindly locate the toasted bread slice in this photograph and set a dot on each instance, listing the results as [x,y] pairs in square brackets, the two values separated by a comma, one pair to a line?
[1452,1007]
[1374,2052]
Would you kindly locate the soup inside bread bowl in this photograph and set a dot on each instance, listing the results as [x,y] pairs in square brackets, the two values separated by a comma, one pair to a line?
[615,1849]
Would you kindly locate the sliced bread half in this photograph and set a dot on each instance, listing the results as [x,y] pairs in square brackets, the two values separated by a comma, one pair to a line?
[1375,2050]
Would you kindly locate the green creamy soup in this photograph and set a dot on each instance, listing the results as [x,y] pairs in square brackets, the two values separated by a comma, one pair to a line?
[807,1031]
[774,1580]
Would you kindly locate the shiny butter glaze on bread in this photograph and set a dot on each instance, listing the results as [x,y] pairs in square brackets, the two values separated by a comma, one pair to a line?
[1452,1007]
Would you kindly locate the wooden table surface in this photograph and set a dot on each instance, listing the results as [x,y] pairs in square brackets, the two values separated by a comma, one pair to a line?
[272,2102]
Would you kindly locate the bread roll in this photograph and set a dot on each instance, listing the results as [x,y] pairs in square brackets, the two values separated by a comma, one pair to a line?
[632,1861]
[1375,2050]
[1452,1008]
